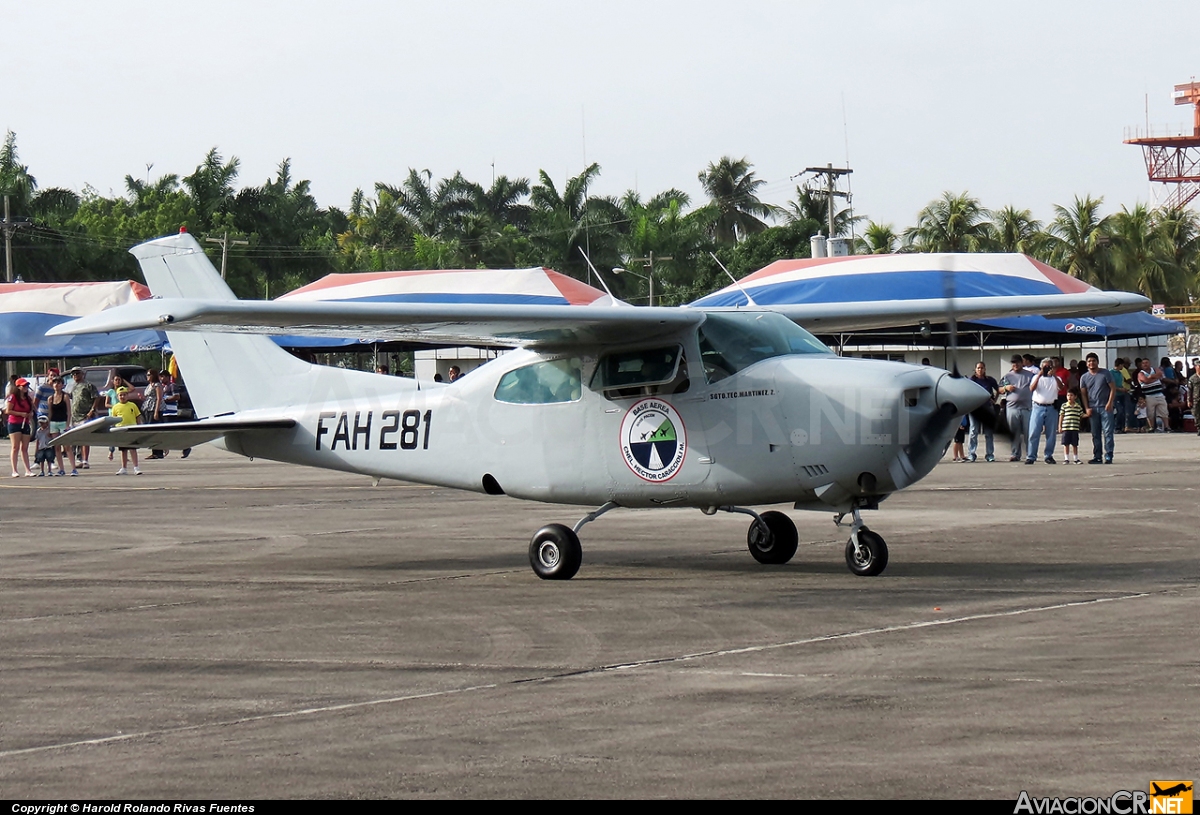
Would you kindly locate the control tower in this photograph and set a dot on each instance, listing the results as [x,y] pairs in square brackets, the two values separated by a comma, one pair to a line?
[1174,158]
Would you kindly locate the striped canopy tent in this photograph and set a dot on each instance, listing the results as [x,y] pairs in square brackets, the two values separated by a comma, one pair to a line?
[534,286]
[927,276]
[29,310]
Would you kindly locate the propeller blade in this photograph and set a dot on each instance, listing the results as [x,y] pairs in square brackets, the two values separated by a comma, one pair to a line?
[986,415]
[948,287]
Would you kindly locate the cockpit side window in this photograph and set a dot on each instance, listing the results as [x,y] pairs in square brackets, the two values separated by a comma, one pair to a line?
[731,342]
[542,383]
[645,372]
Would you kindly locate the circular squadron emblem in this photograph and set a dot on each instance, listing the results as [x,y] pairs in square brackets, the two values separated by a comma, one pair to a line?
[653,440]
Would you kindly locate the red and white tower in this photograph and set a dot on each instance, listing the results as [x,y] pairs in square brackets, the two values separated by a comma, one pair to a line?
[1174,158]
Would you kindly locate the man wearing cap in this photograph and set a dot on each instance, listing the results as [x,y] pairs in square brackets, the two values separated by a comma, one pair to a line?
[129,414]
[1017,403]
[85,406]
[1044,416]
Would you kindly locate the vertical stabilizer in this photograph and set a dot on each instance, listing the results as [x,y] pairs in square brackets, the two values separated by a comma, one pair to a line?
[225,373]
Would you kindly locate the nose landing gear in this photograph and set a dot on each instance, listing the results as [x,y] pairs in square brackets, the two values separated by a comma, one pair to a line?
[866,551]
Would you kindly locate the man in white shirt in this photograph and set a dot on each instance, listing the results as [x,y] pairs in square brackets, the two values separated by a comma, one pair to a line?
[1044,416]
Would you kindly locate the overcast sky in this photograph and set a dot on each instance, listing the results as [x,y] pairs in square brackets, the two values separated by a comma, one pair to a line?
[1017,102]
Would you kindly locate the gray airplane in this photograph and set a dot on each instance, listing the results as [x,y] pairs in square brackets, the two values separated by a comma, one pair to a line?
[602,406]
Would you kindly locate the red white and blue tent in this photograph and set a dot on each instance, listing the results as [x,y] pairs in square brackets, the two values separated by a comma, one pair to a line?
[930,276]
[534,286]
[29,310]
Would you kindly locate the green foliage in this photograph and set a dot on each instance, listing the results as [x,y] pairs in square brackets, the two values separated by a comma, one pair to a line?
[878,239]
[456,223]
[953,223]
[733,196]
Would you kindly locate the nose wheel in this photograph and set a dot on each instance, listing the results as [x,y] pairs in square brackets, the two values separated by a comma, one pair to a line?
[866,553]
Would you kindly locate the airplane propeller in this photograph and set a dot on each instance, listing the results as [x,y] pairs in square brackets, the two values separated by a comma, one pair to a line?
[985,414]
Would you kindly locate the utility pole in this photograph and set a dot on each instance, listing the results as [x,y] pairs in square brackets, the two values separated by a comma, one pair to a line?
[648,262]
[831,174]
[225,244]
[10,227]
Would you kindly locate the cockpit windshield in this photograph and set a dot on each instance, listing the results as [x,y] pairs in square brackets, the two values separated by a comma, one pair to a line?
[732,341]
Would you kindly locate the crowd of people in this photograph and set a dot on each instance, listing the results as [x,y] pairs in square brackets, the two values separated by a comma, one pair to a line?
[36,418]
[1038,400]
[1043,400]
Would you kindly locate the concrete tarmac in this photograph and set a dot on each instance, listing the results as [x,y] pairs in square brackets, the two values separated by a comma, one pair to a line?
[221,628]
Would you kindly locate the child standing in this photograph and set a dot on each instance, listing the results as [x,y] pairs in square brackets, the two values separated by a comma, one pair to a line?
[45,447]
[129,414]
[1069,420]
[960,436]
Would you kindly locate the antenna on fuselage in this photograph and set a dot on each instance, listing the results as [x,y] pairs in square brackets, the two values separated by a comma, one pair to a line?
[749,299]
[596,272]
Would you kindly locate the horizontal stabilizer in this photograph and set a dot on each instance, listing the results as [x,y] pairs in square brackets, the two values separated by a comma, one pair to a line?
[103,432]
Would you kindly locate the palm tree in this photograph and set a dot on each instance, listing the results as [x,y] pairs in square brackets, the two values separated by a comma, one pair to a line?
[732,189]
[813,205]
[953,223]
[661,226]
[211,187]
[433,211]
[492,234]
[878,239]
[1079,242]
[502,202]
[378,232]
[1179,230]
[563,223]
[1016,230]
[15,180]
[1140,256]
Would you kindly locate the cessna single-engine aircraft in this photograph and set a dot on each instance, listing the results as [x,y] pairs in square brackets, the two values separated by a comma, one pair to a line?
[604,406]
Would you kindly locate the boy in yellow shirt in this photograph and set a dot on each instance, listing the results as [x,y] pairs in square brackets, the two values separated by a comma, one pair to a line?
[129,414]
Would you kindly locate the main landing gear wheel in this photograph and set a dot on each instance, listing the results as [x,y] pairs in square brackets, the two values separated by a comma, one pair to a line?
[870,557]
[776,543]
[555,553]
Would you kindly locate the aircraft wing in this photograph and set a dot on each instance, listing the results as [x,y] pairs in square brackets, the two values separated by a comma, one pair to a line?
[529,325]
[823,318]
[435,323]
[823,294]
[103,432]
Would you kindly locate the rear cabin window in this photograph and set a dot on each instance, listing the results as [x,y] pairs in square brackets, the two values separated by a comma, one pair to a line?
[731,342]
[645,372]
[542,383]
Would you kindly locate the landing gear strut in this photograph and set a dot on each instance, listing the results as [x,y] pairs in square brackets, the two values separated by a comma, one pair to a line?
[771,538]
[866,552]
[555,552]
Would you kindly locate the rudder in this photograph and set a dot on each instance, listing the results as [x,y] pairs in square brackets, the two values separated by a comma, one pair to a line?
[225,373]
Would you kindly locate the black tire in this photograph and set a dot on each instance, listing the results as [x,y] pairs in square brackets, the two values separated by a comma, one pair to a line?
[874,557]
[555,553]
[777,543]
